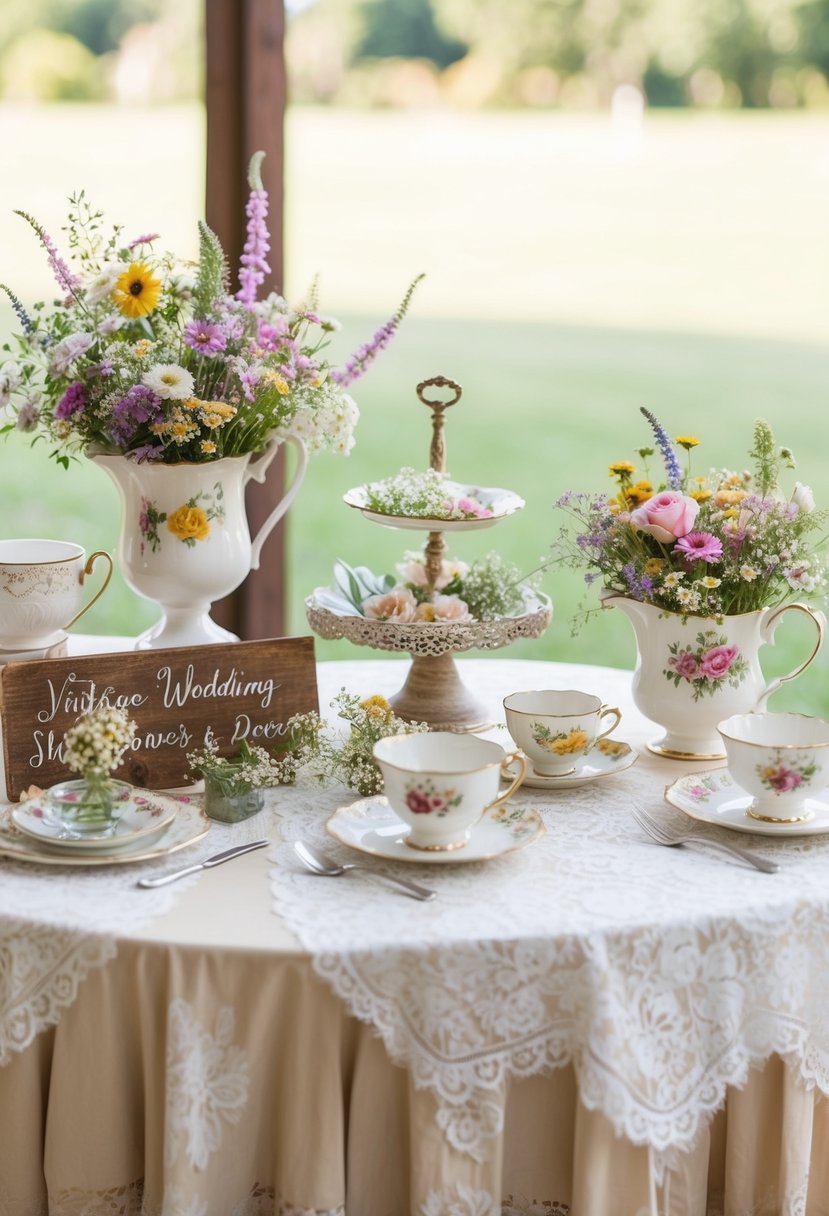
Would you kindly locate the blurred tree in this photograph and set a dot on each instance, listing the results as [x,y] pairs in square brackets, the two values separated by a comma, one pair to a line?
[404,29]
[813,28]
[43,65]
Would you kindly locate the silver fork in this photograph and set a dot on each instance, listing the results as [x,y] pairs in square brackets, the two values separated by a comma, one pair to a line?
[663,833]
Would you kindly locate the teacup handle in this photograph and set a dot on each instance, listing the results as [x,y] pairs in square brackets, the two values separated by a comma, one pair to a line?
[88,570]
[769,626]
[603,713]
[520,759]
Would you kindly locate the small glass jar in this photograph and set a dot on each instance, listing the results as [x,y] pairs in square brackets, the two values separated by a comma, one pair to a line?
[226,802]
[90,805]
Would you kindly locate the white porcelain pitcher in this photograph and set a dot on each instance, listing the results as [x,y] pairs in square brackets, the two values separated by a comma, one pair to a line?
[692,671]
[184,536]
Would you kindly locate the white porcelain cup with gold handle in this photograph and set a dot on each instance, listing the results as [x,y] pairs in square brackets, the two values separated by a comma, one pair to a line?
[442,783]
[43,584]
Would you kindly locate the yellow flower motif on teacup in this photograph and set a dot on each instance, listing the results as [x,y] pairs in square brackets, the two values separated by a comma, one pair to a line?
[188,523]
[612,747]
[563,743]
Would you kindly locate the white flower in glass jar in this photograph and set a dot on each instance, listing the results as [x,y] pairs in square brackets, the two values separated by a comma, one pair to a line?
[97,741]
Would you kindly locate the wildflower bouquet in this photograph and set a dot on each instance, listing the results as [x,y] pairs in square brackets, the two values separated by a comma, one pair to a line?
[709,544]
[159,360]
[351,760]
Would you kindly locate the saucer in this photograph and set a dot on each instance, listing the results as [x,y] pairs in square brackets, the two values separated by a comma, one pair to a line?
[605,758]
[371,826]
[188,825]
[500,502]
[144,816]
[715,797]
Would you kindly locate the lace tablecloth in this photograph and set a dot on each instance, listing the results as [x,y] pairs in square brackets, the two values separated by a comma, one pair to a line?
[663,974]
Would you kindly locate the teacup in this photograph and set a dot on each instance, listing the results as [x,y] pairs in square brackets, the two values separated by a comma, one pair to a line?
[442,783]
[557,727]
[41,590]
[781,760]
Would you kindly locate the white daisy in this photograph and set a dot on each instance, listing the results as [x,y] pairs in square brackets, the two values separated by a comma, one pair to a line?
[100,285]
[169,381]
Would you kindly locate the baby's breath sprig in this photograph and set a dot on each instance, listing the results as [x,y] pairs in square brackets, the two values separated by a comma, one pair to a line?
[97,741]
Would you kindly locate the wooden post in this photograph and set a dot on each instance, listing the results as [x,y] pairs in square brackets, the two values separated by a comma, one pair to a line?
[245,98]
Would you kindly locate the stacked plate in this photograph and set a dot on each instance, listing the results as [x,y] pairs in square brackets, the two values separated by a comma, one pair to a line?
[149,825]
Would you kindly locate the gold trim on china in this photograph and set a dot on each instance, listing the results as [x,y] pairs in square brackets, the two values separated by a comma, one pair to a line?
[780,818]
[670,754]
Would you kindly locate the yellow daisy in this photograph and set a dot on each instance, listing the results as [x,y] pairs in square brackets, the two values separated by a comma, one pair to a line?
[687,441]
[137,291]
[654,564]
[622,468]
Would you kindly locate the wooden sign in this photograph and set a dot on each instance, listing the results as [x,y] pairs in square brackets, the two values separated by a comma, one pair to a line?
[178,698]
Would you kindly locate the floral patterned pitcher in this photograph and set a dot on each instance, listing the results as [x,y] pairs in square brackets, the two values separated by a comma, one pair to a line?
[693,671]
[184,536]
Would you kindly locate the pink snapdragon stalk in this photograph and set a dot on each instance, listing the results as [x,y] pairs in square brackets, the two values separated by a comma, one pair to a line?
[358,363]
[253,262]
[68,281]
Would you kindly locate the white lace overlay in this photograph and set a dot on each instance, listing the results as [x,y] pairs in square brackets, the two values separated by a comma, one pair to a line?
[73,917]
[662,974]
[208,1079]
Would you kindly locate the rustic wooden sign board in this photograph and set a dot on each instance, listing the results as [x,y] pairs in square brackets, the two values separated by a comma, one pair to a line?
[178,699]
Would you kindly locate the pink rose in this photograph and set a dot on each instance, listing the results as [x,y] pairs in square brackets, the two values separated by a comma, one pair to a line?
[685,665]
[418,803]
[716,661]
[666,516]
[396,605]
[784,779]
[451,608]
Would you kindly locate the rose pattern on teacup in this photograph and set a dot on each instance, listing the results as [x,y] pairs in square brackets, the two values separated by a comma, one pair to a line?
[712,665]
[784,775]
[562,742]
[424,798]
[189,522]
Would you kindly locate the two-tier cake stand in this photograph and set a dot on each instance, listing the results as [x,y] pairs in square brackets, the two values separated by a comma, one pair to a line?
[433,691]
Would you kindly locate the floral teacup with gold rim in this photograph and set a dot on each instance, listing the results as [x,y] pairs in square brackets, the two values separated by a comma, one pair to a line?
[557,727]
[781,760]
[441,784]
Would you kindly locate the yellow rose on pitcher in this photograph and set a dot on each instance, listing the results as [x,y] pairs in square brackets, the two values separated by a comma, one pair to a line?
[188,523]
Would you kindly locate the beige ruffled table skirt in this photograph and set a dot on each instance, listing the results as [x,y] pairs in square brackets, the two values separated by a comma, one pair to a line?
[206,1070]
[331,1125]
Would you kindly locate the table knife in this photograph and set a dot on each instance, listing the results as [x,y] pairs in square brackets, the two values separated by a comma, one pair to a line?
[207,864]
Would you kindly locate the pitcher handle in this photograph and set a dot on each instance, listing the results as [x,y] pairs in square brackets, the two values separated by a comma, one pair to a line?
[256,471]
[88,570]
[769,626]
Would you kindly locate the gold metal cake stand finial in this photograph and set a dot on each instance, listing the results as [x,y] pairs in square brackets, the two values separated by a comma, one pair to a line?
[435,544]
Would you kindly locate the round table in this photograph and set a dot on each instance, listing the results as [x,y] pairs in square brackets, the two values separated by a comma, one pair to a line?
[208,1061]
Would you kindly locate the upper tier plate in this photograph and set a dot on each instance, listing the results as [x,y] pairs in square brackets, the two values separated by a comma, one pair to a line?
[500,502]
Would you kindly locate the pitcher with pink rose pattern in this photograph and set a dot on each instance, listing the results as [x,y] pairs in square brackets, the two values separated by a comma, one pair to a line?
[694,671]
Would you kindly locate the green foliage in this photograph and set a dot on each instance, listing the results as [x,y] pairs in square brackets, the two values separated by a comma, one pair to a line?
[213,273]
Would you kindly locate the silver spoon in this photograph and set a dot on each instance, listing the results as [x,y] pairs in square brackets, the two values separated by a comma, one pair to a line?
[320,864]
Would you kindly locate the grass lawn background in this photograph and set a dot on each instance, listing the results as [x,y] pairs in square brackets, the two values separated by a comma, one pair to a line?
[575,272]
